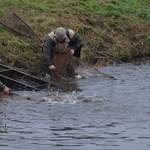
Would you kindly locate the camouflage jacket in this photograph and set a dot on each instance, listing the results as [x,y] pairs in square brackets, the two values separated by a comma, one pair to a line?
[50,45]
[2,86]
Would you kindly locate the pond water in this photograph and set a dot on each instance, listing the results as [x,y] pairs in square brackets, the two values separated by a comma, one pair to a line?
[94,113]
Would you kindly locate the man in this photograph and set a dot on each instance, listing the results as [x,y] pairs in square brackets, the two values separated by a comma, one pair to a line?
[4,88]
[58,49]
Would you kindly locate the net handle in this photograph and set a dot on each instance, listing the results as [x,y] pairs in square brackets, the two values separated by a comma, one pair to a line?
[28,27]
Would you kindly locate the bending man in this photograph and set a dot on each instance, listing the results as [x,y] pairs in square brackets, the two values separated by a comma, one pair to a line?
[58,49]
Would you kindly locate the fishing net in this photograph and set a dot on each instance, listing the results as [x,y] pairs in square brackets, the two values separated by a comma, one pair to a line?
[63,63]
[15,24]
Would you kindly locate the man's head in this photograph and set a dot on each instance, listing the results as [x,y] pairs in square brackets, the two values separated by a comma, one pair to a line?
[61,35]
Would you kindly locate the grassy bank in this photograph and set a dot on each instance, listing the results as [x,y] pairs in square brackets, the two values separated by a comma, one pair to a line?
[120,28]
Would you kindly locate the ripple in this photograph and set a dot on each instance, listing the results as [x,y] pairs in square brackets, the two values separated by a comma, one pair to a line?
[102,114]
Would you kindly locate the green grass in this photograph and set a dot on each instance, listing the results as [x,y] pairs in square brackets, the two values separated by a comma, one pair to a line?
[134,8]
[117,27]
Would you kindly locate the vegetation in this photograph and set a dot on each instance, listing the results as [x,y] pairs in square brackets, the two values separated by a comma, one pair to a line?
[120,28]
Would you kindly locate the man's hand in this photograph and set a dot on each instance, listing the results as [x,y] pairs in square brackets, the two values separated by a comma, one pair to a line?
[6,90]
[71,51]
[52,67]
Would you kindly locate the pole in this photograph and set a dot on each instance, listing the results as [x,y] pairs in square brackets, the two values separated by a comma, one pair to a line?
[98,52]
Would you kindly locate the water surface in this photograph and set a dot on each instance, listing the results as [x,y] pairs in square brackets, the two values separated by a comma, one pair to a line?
[94,113]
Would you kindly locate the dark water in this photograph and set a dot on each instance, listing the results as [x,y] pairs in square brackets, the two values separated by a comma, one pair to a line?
[98,113]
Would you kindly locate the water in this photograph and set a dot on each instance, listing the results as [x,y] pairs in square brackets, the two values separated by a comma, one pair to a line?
[95,113]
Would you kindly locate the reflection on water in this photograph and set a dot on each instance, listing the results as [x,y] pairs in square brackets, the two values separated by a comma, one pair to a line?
[93,113]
